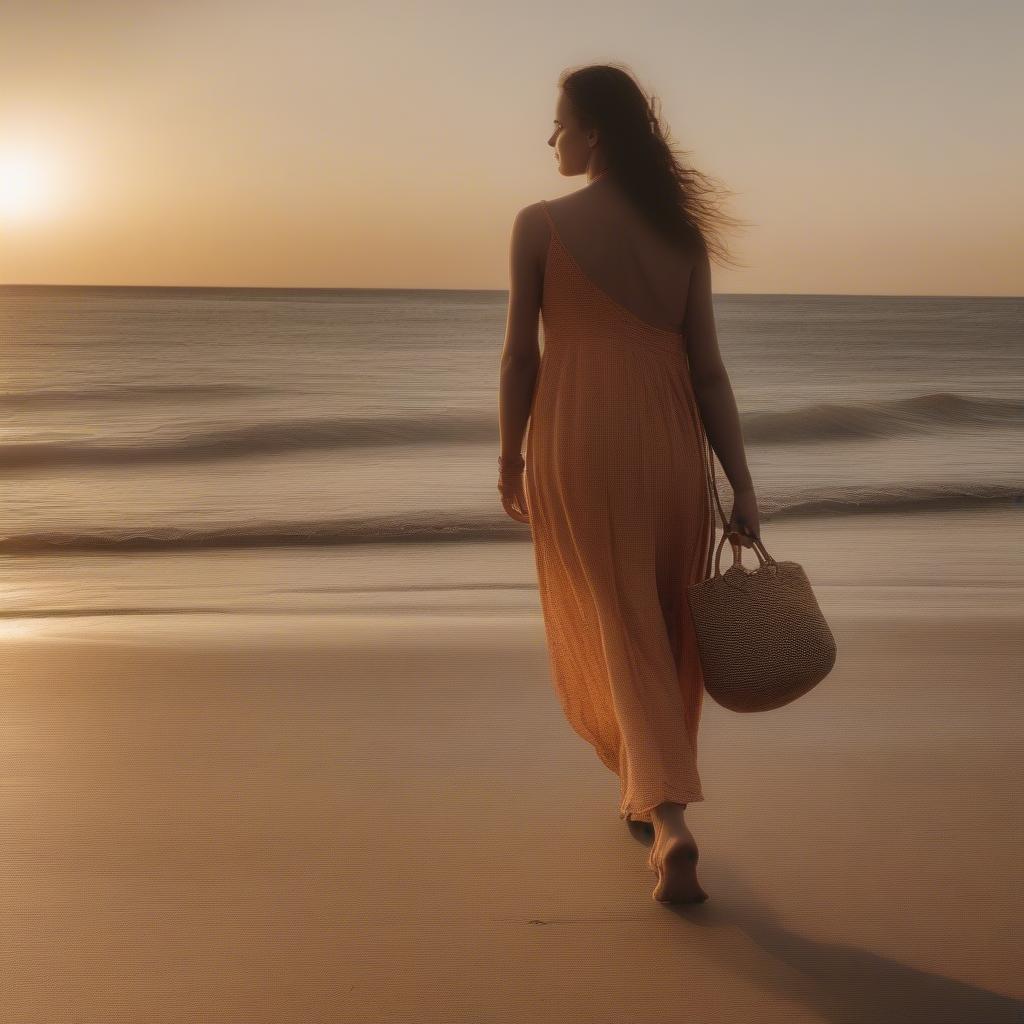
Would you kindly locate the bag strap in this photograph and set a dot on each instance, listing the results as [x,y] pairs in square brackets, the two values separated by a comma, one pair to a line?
[709,465]
[708,458]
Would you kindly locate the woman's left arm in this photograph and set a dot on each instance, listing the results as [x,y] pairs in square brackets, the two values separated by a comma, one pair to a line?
[520,355]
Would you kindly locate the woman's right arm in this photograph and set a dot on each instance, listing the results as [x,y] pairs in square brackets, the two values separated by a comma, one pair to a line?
[713,390]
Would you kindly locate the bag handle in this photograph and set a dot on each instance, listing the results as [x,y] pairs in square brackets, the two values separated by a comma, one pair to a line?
[737,553]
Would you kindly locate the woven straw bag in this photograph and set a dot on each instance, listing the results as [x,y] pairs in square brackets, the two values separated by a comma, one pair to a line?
[762,639]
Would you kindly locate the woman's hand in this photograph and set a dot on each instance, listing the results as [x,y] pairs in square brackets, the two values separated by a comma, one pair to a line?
[513,493]
[745,518]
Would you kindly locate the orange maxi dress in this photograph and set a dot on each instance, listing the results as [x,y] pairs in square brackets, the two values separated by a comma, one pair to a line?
[622,523]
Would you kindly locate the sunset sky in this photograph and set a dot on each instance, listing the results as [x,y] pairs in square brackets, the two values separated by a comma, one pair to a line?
[876,147]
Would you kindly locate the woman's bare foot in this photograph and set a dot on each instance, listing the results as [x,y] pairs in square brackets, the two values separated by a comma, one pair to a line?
[674,857]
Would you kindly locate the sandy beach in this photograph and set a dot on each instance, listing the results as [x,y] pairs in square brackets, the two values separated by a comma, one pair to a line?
[386,818]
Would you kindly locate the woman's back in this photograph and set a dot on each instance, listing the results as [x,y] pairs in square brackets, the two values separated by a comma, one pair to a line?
[619,507]
[623,255]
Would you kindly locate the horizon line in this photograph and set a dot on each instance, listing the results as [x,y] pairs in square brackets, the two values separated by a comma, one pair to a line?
[351,288]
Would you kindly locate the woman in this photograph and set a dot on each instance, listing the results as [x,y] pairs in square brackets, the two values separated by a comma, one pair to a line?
[613,485]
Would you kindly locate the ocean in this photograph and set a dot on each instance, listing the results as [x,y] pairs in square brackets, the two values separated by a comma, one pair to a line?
[177,450]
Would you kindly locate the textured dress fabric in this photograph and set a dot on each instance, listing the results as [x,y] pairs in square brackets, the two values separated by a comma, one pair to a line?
[622,523]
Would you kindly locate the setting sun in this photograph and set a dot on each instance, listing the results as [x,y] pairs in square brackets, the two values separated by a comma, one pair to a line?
[27,184]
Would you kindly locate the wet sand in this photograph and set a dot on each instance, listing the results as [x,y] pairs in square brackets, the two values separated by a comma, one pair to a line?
[388,820]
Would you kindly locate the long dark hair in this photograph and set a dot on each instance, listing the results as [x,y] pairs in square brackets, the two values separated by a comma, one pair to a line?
[681,202]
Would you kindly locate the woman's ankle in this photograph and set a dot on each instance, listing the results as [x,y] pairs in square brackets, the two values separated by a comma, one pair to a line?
[668,810]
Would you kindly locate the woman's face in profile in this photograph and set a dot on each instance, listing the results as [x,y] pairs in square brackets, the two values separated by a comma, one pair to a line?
[572,154]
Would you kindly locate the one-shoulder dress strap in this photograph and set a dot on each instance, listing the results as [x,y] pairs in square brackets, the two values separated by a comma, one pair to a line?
[544,207]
